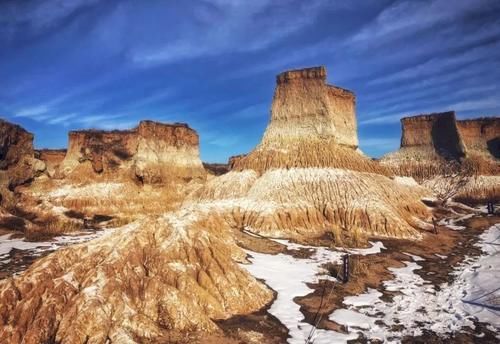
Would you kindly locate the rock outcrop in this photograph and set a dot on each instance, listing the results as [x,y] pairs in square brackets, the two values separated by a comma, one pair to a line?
[307,177]
[52,159]
[481,135]
[17,161]
[437,149]
[437,132]
[428,142]
[137,284]
[152,153]
[312,124]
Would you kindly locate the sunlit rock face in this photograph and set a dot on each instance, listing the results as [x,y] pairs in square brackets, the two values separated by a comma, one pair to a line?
[481,135]
[312,124]
[151,153]
[305,106]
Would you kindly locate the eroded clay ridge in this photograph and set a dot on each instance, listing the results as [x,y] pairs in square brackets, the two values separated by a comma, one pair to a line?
[152,152]
[481,135]
[313,124]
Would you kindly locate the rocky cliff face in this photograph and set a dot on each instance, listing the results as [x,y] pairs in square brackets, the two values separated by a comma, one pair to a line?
[481,135]
[437,131]
[17,161]
[152,152]
[312,124]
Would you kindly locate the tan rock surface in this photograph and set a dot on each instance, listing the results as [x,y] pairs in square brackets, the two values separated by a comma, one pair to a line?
[153,153]
[177,272]
[481,135]
[312,124]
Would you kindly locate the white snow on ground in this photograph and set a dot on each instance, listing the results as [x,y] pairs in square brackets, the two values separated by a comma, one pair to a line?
[9,242]
[475,293]
[288,277]
[452,223]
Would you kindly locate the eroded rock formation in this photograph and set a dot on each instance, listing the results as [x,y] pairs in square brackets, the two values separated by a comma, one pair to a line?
[427,143]
[437,147]
[313,124]
[307,176]
[135,285]
[52,159]
[481,135]
[153,153]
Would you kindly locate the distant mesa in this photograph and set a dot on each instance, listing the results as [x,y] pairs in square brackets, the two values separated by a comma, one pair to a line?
[152,152]
[481,135]
[437,131]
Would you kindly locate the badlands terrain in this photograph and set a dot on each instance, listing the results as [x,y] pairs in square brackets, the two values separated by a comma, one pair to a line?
[128,237]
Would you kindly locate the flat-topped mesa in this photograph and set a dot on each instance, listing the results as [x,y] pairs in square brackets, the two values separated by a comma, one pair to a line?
[434,132]
[481,135]
[305,107]
[312,124]
[152,152]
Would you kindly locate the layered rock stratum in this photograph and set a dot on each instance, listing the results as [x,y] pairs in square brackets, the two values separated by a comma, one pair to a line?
[152,153]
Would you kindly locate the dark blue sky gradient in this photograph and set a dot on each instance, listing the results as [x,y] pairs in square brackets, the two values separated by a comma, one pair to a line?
[68,64]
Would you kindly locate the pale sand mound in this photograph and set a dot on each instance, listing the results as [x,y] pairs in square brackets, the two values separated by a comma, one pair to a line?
[310,201]
[135,284]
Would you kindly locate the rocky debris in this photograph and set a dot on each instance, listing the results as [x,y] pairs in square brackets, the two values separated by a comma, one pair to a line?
[481,135]
[313,124]
[52,159]
[152,153]
[136,284]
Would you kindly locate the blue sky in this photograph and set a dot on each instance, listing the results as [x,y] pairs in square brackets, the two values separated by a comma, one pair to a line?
[68,64]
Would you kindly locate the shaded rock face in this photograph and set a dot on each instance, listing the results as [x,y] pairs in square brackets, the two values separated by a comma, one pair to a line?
[153,152]
[437,131]
[481,135]
[312,124]
[17,162]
